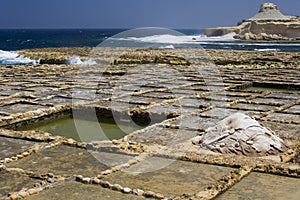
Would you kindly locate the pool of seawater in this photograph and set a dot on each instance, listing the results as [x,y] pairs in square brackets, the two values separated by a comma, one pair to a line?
[84,130]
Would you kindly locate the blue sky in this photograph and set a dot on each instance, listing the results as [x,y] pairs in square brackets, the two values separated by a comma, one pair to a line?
[132,13]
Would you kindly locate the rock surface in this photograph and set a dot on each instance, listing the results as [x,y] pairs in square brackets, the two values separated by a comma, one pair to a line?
[154,56]
[240,134]
[269,11]
[263,84]
[268,24]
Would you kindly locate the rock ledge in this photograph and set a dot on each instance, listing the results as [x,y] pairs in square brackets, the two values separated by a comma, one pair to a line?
[268,24]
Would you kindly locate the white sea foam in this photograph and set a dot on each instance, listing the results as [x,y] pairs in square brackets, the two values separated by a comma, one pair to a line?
[164,39]
[13,58]
[167,47]
[75,60]
[174,39]
[267,49]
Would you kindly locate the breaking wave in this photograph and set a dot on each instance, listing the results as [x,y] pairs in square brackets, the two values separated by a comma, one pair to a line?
[75,60]
[175,39]
[167,47]
[13,58]
[267,49]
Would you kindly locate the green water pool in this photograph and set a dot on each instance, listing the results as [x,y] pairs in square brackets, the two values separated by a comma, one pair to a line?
[84,130]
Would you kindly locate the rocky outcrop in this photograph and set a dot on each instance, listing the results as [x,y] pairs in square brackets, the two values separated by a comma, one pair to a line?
[268,24]
[270,30]
[269,11]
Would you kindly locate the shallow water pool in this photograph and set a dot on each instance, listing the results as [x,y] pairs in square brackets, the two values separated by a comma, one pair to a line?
[84,130]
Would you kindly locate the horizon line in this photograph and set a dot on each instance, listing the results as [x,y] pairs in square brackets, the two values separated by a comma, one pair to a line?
[87,28]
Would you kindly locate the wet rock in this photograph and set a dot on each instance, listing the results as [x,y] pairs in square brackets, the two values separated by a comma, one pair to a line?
[240,134]
[53,61]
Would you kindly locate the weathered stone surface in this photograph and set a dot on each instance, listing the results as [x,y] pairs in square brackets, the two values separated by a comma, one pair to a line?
[10,147]
[75,190]
[269,11]
[268,24]
[263,85]
[181,177]
[240,134]
[256,30]
[62,160]
[154,56]
[264,186]
[13,182]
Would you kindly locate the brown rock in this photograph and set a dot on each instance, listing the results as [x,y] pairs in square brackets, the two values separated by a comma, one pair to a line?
[149,194]
[159,196]
[117,187]
[138,192]
[96,181]
[86,180]
[105,184]
[33,191]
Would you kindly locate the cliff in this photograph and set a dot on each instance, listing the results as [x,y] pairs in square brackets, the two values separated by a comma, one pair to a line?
[268,24]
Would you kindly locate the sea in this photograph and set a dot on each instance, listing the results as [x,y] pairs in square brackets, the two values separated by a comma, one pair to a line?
[17,39]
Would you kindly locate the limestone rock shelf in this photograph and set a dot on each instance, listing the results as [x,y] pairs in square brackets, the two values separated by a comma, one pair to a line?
[158,161]
[269,24]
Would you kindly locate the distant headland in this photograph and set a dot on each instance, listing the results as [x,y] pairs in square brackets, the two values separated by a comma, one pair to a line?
[268,24]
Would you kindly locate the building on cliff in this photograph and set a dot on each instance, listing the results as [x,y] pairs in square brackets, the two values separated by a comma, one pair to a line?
[268,24]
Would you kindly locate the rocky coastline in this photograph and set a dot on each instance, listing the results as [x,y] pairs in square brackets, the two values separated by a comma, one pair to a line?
[269,24]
